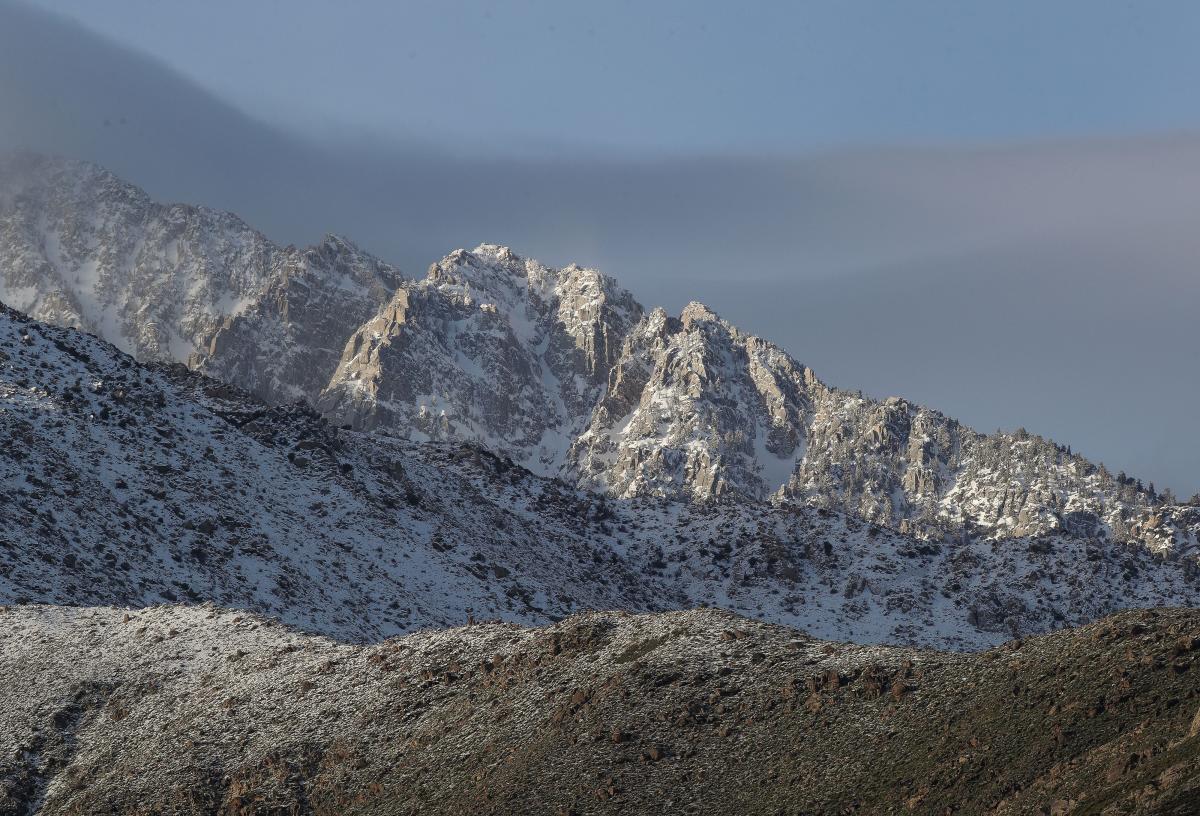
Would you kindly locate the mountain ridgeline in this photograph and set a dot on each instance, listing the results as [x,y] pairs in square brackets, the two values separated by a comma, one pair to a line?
[560,370]
[188,710]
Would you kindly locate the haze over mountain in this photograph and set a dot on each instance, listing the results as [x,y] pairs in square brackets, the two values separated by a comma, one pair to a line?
[1086,246]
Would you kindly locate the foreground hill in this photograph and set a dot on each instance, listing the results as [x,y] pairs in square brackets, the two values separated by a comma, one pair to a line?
[202,710]
[130,485]
[560,370]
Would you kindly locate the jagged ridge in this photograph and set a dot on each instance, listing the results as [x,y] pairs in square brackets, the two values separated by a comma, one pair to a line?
[79,247]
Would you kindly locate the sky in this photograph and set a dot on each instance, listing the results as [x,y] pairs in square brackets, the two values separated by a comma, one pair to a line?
[681,76]
[986,208]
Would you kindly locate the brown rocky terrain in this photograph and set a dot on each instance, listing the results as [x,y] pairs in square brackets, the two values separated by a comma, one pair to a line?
[202,710]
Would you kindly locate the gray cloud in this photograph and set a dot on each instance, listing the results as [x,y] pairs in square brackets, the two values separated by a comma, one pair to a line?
[1050,286]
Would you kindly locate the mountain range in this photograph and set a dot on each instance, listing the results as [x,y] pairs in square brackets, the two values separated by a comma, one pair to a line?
[131,484]
[289,530]
[314,435]
[560,370]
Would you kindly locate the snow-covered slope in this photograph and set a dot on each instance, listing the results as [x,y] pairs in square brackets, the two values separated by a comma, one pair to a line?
[122,484]
[560,370]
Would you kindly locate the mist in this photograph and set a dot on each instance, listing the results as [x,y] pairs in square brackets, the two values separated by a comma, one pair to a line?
[1049,286]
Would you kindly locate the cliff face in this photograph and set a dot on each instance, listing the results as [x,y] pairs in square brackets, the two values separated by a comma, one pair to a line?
[286,344]
[696,408]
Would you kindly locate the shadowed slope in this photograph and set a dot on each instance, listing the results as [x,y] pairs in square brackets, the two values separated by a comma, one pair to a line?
[203,710]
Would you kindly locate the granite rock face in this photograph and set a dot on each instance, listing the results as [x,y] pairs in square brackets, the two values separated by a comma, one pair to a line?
[286,344]
[489,348]
[698,409]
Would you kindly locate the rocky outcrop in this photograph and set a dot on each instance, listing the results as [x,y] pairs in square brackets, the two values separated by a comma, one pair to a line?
[915,469]
[286,344]
[696,408]
[489,348]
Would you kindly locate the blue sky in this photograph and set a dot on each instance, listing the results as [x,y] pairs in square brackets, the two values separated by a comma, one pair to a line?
[697,77]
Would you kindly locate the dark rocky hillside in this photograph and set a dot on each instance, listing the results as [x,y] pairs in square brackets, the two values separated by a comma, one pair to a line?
[207,711]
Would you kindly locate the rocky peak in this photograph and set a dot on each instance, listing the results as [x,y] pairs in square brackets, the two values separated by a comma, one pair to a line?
[489,273]
[84,249]
[489,347]
[695,409]
[335,251]
[340,262]
[696,312]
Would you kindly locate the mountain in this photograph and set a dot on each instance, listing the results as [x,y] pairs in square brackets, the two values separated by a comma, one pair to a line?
[126,484]
[236,540]
[175,282]
[191,710]
[559,370]
[808,251]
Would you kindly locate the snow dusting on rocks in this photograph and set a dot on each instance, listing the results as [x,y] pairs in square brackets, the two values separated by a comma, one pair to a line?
[133,485]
